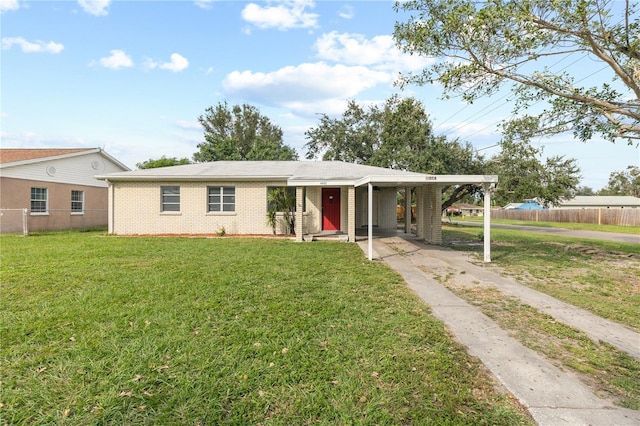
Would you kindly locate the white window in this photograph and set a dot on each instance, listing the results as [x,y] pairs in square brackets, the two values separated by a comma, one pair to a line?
[77,202]
[221,199]
[39,200]
[170,198]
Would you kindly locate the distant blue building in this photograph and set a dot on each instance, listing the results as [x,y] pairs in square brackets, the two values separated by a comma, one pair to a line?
[529,205]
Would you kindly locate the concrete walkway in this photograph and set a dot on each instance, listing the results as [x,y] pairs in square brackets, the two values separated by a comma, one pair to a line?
[552,396]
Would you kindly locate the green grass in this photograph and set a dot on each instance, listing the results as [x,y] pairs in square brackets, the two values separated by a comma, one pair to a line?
[610,372]
[565,225]
[111,330]
[600,276]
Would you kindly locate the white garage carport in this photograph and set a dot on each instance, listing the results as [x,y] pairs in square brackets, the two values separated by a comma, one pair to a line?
[428,203]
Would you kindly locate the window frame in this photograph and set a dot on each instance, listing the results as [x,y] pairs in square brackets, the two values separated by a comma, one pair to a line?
[76,211]
[224,205]
[36,191]
[166,199]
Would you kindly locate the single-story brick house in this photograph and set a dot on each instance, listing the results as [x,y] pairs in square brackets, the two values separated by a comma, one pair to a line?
[51,188]
[331,196]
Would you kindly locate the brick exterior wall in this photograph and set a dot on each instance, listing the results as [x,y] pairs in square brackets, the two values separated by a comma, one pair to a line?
[136,209]
[16,194]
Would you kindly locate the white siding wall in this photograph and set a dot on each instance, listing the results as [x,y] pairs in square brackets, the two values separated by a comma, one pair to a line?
[78,170]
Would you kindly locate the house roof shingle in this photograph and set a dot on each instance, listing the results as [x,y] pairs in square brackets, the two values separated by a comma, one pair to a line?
[294,172]
[261,170]
[12,155]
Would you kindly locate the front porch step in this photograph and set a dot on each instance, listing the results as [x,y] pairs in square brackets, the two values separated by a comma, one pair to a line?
[326,237]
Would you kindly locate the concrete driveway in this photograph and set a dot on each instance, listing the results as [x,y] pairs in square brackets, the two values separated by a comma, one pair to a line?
[552,396]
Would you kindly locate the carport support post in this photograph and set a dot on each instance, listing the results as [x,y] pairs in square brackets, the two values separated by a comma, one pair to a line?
[487,222]
[299,212]
[407,209]
[435,225]
[351,215]
[370,220]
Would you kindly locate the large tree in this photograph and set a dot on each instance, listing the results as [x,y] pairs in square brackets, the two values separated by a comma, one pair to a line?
[240,133]
[397,135]
[162,162]
[524,175]
[623,182]
[481,45]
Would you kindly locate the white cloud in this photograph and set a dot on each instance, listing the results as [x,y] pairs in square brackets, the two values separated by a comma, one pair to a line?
[149,64]
[346,12]
[379,52]
[6,5]
[178,63]
[281,14]
[95,7]
[32,47]
[189,125]
[118,59]
[204,4]
[296,86]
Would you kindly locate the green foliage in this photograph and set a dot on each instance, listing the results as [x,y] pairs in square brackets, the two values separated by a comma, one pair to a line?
[398,135]
[240,133]
[282,200]
[482,46]
[623,182]
[584,190]
[162,162]
[523,175]
[109,330]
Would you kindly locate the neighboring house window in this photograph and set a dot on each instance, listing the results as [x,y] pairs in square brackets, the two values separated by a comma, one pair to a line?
[39,200]
[221,199]
[170,198]
[77,201]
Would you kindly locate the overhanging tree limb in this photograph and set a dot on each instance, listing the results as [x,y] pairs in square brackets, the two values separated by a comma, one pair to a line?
[481,45]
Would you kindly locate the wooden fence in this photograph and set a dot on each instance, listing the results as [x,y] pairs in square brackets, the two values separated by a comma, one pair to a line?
[623,217]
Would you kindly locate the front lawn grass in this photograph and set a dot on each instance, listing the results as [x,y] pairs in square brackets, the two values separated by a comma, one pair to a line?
[111,330]
[600,276]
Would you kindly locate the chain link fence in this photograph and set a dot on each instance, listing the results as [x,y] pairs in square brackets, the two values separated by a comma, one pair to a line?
[22,221]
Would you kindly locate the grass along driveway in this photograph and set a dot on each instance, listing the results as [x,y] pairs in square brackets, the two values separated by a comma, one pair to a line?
[109,330]
[601,277]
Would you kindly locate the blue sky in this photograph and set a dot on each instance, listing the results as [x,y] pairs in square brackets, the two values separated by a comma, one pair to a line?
[133,76]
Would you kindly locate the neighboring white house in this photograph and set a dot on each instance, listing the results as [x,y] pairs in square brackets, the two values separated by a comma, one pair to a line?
[48,189]
[331,196]
[600,202]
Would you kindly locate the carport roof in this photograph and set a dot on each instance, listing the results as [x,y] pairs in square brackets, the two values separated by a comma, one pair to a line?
[295,173]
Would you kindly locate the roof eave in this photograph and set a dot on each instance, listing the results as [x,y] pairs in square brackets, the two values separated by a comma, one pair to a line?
[425,179]
[186,178]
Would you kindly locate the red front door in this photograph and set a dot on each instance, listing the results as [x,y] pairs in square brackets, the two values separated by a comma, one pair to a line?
[330,209]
